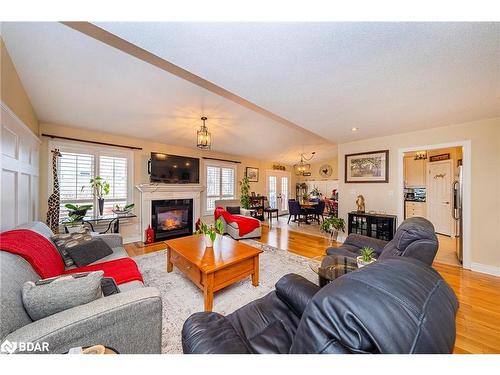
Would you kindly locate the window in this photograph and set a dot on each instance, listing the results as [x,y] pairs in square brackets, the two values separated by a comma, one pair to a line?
[220,181]
[79,164]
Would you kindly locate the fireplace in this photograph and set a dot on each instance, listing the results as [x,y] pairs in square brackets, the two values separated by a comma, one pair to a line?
[172,218]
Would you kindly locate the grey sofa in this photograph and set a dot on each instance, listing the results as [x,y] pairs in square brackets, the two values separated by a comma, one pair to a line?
[232,228]
[129,322]
[414,238]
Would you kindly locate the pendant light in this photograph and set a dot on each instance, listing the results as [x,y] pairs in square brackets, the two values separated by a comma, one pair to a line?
[302,168]
[203,136]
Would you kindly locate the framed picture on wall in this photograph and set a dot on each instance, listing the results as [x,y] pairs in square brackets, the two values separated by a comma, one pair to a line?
[252,174]
[367,167]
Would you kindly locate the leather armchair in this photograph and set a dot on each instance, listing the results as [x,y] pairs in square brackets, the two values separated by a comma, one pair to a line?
[396,305]
[414,238]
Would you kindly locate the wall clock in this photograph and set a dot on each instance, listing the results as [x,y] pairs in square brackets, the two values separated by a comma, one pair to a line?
[325,170]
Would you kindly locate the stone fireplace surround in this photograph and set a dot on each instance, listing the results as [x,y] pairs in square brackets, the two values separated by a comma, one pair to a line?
[158,191]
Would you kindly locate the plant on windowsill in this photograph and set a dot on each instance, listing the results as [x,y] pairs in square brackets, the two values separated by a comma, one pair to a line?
[332,225]
[100,188]
[367,256]
[210,231]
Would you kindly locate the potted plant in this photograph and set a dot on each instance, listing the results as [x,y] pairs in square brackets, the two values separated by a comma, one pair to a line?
[74,224]
[367,256]
[100,188]
[245,193]
[75,209]
[332,225]
[316,193]
[210,231]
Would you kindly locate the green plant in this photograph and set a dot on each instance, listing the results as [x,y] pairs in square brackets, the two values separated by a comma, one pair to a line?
[305,196]
[245,197]
[315,192]
[74,219]
[76,207]
[211,230]
[332,224]
[100,187]
[367,254]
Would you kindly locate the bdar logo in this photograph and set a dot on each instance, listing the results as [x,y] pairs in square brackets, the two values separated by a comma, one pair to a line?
[8,347]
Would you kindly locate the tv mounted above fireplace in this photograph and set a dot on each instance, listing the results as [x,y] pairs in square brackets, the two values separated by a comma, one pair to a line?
[174,169]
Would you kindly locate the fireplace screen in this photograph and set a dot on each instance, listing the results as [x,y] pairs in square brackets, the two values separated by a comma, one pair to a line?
[172,218]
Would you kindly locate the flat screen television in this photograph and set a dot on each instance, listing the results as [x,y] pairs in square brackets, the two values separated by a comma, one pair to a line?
[174,169]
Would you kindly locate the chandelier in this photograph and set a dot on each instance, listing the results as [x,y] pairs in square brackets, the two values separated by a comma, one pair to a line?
[302,168]
[420,155]
[203,136]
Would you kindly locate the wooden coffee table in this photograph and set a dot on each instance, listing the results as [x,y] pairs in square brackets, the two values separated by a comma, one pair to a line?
[213,268]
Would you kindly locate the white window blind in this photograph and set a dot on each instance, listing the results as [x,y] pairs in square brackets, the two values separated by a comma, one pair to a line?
[74,171]
[77,167]
[114,171]
[220,185]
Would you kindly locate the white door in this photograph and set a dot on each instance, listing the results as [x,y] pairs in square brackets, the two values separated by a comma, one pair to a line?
[278,190]
[439,198]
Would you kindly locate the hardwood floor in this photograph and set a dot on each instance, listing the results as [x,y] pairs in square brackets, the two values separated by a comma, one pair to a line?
[478,318]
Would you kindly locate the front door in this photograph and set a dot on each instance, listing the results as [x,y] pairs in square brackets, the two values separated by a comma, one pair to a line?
[278,190]
[439,199]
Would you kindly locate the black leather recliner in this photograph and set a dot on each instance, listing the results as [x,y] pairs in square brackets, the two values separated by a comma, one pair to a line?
[396,305]
[415,238]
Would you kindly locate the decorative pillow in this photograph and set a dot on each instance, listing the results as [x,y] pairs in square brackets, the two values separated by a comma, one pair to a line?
[62,241]
[88,252]
[233,210]
[51,296]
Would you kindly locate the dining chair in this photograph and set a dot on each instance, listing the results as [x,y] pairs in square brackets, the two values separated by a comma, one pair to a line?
[295,210]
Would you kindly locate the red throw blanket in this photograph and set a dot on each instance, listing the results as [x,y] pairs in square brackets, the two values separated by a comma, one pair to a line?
[37,250]
[122,270]
[43,256]
[245,224]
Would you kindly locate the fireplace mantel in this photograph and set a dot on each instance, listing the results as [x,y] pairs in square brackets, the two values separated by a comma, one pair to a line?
[152,192]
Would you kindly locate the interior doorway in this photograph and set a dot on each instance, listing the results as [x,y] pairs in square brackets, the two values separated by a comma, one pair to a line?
[435,184]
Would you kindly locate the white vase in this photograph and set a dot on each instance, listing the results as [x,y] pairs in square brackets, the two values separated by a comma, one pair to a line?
[208,241]
[362,263]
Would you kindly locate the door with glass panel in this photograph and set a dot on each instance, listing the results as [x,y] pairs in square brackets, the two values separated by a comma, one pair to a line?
[278,190]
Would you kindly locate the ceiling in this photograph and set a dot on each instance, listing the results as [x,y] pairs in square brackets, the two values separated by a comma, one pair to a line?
[75,80]
[383,78]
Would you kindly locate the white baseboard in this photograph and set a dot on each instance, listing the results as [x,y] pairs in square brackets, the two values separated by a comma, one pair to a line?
[484,268]
[132,239]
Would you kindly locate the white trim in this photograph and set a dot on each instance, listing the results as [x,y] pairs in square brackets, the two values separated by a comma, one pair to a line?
[485,268]
[11,113]
[467,197]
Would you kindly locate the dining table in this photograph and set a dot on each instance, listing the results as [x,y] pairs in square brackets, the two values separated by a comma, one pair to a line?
[308,206]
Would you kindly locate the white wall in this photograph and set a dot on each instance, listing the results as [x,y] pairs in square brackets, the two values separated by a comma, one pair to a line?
[484,136]
[19,182]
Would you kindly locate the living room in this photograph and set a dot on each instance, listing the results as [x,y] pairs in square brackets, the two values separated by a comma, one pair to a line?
[171,188]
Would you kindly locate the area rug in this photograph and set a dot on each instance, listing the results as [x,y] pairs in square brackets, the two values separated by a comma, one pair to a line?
[181,297]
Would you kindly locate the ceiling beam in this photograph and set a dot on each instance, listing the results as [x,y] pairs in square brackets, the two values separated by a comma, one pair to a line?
[121,44]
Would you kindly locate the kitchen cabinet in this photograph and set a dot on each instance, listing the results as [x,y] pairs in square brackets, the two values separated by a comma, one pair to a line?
[415,209]
[414,172]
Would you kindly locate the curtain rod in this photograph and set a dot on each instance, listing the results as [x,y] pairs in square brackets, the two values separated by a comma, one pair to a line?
[229,161]
[86,141]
